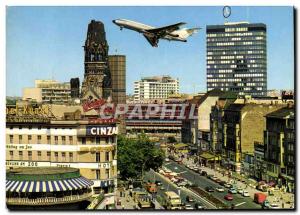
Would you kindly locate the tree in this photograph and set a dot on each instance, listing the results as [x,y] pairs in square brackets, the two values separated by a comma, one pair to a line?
[136,156]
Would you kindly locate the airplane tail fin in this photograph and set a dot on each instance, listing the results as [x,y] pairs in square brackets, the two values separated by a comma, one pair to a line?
[192,31]
[185,33]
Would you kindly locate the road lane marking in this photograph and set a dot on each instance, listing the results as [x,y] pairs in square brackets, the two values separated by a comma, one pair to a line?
[239,204]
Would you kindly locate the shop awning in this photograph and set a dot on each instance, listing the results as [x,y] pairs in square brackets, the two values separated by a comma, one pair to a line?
[180,145]
[208,156]
[47,186]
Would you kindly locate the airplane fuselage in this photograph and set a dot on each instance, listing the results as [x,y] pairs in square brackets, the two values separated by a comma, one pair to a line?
[142,28]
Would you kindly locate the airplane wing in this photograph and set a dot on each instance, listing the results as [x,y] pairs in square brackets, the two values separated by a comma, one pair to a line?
[166,29]
[152,40]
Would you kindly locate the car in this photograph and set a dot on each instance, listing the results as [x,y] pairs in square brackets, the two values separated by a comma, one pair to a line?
[199,171]
[240,190]
[222,183]
[188,207]
[274,206]
[209,176]
[220,189]
[189,199]
[214,178]
[246,193]
[198,206]
[232,191]
[167,159]
[227,185]
[158,183]
[196,169]
[162,188]
[210,189]
[228,197]
[204,173]
[218,180]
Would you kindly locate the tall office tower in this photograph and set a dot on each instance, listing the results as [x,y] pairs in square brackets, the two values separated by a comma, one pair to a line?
[97,78]
[157,87]
[75,87]
[237,58]
[117,66]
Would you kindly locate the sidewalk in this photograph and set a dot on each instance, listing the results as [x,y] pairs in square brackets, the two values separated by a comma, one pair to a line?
[281,198]
[126,201]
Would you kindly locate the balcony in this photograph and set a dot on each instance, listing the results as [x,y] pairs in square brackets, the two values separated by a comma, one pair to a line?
[48,200]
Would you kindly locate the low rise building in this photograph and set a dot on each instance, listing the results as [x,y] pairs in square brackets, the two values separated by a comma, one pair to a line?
[48,91]
[62,136]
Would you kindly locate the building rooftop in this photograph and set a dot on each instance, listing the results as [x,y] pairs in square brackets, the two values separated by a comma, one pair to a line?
[286,112]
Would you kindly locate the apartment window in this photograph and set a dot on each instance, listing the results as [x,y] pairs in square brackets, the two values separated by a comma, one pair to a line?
[29,138]
[39,139]
[63,140]
[83,141]
[48,140]
[20,155]
[56,156]
[39,154]
[20,139]
[56,140]
[98,140]
[71,140]
[29,155]
[49,155]
[71,156]
[106,156]
[107,173]
[63,154]
[98,157]
[11,138]
[11,154]
[98,174]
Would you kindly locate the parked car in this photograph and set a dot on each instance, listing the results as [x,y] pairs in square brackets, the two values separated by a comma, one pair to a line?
[199,171]
[189,199]
[188,207]
[228,197]
[158,183]
[227,185]
[209,176]
[222,183]
[167,159]
[218,180]
[232,191]
[214,178]
[274,206]
[220,189]
[162,187]
[204,173]
[246,193]
[209,189]
[240,190]
[198,206]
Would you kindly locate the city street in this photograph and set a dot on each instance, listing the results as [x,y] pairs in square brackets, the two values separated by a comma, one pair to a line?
[169,186]
[239,201]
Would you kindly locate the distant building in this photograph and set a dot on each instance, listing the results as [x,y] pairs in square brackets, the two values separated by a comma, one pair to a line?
[280,148]
[117,66]
[75,88]
[48,91]
[237,58]
[243,124]
[157,87]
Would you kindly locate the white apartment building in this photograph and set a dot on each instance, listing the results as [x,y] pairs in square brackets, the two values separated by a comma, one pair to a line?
[47,91]
[156,87]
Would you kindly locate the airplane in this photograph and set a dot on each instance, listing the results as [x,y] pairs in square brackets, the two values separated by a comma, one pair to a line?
[152,34]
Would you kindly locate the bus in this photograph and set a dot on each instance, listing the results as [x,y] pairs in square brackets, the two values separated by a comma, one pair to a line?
[171,201]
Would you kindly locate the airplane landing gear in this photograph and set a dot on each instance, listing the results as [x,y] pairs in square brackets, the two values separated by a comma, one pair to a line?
[121,28]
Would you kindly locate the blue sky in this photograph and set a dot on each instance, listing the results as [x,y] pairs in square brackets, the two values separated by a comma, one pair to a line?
[46,42]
